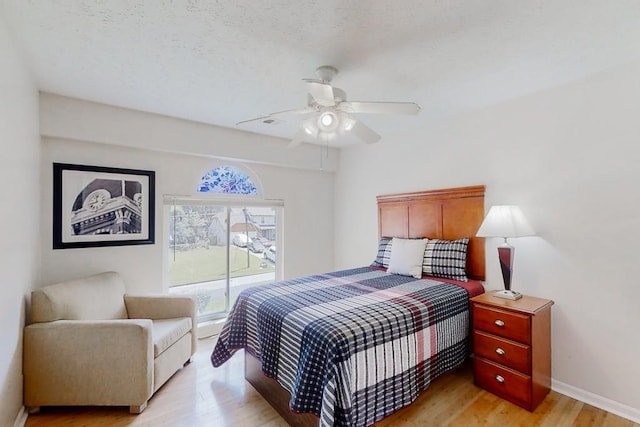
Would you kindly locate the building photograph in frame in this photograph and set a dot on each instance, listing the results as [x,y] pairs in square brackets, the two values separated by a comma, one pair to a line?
[101,206]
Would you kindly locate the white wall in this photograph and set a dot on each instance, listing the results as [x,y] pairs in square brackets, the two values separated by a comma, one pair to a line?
[307,193]
[62,117]
[570,157]
[19,218]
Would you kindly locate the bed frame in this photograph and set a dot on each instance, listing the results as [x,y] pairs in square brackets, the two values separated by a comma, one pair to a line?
[448,214]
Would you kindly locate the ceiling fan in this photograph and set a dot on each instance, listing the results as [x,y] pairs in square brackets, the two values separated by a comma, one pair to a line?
[328,114]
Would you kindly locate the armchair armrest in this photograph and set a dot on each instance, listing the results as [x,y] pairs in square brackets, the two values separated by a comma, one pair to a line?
[164,307]
[160,306]
[82,362]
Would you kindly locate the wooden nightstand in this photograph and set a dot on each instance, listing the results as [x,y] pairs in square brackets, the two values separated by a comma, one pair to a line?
[512,348]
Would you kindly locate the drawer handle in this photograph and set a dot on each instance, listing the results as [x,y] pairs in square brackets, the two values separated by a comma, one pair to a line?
[499,323]
[500,351]
[500,378]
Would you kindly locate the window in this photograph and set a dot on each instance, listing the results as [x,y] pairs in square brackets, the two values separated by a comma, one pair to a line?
[215,251]
[217,247]
[227,180]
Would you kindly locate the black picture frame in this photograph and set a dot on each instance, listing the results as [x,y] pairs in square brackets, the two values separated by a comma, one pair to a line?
[95,206]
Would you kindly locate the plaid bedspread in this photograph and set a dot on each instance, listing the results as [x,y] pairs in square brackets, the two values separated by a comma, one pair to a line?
[350,346]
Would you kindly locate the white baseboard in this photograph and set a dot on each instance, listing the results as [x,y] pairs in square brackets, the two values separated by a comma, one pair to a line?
[21,419]
[592,399]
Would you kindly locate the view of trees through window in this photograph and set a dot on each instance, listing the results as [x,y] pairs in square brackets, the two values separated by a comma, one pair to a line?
[216,251]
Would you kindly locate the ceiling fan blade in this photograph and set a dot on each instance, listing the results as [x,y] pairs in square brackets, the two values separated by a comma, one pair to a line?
[294,112]
[379,107]
[314,81]
[322,93]
[257,119]
[279,114]
[363,132]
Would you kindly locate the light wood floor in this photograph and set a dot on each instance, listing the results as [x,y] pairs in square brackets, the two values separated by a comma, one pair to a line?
[201,396]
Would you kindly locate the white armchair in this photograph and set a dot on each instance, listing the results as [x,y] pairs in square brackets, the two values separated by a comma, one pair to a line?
[89,343]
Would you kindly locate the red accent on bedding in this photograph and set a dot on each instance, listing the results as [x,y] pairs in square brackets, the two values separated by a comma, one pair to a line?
[473,287]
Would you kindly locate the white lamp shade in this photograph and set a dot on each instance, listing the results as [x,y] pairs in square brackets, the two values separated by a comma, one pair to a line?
[505,221]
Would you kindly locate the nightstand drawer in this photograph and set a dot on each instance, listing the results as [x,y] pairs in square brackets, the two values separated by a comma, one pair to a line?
[502,323]
[504,382]
[505,352]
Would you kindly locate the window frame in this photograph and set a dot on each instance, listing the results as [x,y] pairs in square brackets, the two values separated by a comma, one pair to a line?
[237,202]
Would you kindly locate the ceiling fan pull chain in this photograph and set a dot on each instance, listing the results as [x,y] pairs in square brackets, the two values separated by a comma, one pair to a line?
[326,153]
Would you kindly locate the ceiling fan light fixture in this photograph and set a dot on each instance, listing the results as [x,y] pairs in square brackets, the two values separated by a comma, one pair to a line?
[310,128]
[328,121]
[348,124]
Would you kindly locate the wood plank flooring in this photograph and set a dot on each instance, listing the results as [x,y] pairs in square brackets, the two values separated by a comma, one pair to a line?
[202,396]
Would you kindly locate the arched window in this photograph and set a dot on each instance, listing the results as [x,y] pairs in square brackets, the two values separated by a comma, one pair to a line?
[227,180]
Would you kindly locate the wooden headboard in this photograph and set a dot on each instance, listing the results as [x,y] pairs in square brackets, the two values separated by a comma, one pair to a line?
[449,214]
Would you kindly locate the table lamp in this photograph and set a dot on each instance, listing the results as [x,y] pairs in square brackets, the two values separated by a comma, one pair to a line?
[505,221]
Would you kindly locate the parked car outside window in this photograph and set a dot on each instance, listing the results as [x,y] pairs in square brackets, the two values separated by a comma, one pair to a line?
[240,240]
[256,246]
[265,242]
[270,254]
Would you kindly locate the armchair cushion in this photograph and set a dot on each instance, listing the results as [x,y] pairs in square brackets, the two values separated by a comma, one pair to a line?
[167,332]
[96,297]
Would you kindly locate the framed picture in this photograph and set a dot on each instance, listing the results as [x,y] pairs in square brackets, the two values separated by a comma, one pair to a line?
[99,206]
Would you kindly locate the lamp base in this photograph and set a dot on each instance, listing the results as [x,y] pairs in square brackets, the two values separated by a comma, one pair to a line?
[507,294]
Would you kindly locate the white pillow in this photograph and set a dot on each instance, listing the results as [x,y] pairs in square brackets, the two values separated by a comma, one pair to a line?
[406,257]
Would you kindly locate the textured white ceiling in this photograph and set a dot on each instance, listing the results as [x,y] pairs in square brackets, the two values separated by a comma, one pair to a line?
[221,62]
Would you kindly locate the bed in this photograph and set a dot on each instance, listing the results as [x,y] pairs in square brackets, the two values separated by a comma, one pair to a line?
[350,347]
